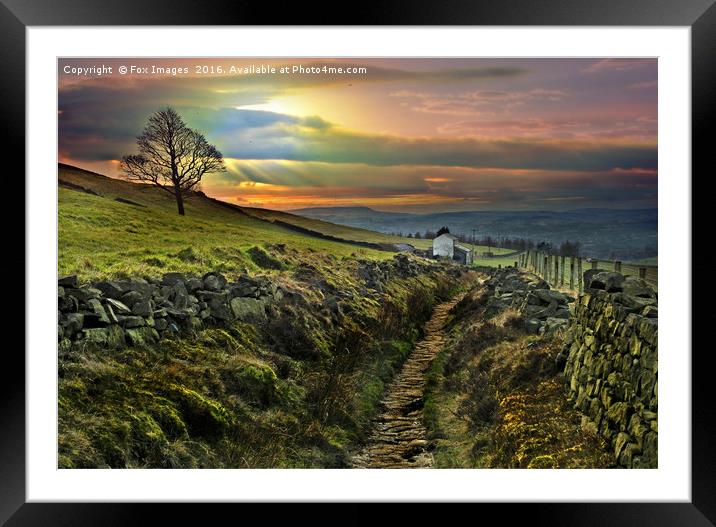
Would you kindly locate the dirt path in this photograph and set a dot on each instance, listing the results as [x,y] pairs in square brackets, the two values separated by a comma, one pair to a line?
[399,439]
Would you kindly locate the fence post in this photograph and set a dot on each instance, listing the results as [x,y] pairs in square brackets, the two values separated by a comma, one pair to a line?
[571,273]
[642,272]
[545,267]
[594,264]
[580,277]
[516,264]
[617,266]
[548,268]
[561,269]
[556,271]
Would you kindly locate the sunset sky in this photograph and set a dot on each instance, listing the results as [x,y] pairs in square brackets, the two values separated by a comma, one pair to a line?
[421,135]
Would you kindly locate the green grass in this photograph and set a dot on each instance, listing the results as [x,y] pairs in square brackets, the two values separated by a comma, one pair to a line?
[654,260]
[176,406]
[495,262]
[100,237]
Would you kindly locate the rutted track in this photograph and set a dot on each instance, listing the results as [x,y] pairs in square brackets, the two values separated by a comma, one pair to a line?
[399,438]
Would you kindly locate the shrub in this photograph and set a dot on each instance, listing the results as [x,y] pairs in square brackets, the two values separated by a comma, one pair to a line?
[256,383]
[479,405]
[187,255]
[204,417]
[155,262]
[297,334]
[264,260]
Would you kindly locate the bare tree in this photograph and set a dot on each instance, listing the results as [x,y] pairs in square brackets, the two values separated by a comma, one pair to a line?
[172,156]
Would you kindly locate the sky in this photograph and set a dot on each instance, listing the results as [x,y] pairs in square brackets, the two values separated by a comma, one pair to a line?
[403,134]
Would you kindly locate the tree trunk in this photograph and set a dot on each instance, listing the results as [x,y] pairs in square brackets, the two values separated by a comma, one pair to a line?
[180,202]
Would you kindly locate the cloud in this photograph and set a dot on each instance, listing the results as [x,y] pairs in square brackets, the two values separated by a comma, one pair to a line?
[642,129]
[646,85]
[478,102]
[437,179]
[109,132]
[292,184]
[619,65]
[336,145]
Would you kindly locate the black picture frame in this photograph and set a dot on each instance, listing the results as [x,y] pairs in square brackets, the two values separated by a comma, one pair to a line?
[699,15]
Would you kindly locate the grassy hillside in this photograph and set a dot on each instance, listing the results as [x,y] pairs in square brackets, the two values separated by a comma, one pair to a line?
[100,236]
[267,393]
[114,228]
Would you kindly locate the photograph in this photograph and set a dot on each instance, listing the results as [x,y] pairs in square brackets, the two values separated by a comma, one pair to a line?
[357,263]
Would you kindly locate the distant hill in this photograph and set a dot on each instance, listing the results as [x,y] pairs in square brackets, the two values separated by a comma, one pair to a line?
[347,212]
[603,233]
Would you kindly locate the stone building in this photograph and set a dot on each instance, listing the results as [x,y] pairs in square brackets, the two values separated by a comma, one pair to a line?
[447,246]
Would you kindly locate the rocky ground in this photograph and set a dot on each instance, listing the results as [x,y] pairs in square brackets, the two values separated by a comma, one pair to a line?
[399,438]
[545,311]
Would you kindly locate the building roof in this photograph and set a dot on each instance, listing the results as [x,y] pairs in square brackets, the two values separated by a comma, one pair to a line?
[461,247]
[447,234]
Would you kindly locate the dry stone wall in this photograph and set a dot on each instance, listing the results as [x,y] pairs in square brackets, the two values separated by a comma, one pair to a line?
[544,310]
[138,312]
[611,366]
[141,311]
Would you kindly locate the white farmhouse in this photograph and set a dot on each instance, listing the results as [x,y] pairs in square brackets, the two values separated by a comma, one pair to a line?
[447,246]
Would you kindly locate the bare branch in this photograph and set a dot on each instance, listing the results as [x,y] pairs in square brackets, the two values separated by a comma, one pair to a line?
[171,156]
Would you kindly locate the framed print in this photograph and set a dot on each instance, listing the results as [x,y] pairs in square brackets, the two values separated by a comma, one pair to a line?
[418,258]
